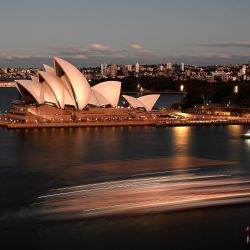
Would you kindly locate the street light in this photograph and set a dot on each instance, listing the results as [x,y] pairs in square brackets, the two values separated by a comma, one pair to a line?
[236,89]
[182,88]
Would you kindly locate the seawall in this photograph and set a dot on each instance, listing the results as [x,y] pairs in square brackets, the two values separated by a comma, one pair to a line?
[122,123]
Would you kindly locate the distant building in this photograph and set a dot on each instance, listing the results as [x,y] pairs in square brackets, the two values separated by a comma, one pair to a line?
[113,70]
[188,73]
[129,67]
[169,66]
[124,70]
[243,69]
[137,68]
[5,70]
[182,67]
[104,67]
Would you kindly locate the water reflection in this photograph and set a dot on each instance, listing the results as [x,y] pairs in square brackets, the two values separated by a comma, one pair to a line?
[235,130]
[247,143]
[61,154]
[181,140]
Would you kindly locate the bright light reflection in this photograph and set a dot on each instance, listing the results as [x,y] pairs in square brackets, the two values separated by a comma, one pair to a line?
[247,142]
[181,139]
[235,130]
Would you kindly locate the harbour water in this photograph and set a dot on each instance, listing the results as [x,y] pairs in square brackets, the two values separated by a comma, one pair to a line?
[32,162]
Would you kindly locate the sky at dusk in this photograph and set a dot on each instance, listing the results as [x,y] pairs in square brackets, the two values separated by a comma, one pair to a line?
[88,33]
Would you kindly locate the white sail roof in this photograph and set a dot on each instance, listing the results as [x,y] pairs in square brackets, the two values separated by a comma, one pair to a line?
[59,90]
[79,84]
[34,78]
[148,101]
[110,90]
[33,87]
[49,69]
[48,95]
[67,85]
[133,102]
[97,99]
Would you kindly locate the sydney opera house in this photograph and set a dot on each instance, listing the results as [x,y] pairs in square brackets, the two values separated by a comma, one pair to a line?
[63,93]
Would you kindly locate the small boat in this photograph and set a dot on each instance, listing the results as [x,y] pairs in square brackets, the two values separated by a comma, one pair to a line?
[246,135]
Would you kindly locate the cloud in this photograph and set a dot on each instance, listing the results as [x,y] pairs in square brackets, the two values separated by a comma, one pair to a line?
[213,55]
[98,46]
[20,56]
[136,46]
[11,57]
[103,52]
[96,53]
[210,58]
[243,44]
[23,60]
[71,52]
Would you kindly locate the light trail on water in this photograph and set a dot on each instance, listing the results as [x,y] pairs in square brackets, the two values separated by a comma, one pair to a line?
[143,195]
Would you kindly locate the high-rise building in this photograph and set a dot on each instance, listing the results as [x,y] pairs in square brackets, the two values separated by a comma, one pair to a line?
[188,73]
[137,68]
[243,69]
[104,67]
[113,70]
[124,70]
[169,66]
[182,67]
[129,67]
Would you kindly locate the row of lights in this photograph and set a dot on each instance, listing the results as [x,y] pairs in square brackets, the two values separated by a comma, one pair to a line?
[182,87]
[236,88]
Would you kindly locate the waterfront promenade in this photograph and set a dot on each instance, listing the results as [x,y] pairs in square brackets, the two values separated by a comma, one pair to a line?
[7,84]
[120,123]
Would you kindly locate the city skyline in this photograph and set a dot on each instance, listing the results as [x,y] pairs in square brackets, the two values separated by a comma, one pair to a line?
[124,33]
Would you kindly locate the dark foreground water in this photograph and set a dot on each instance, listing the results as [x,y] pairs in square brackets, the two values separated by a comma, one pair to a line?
[35,161]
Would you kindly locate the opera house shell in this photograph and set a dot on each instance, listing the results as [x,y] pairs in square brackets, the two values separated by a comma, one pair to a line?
[64,85]
[147,102]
